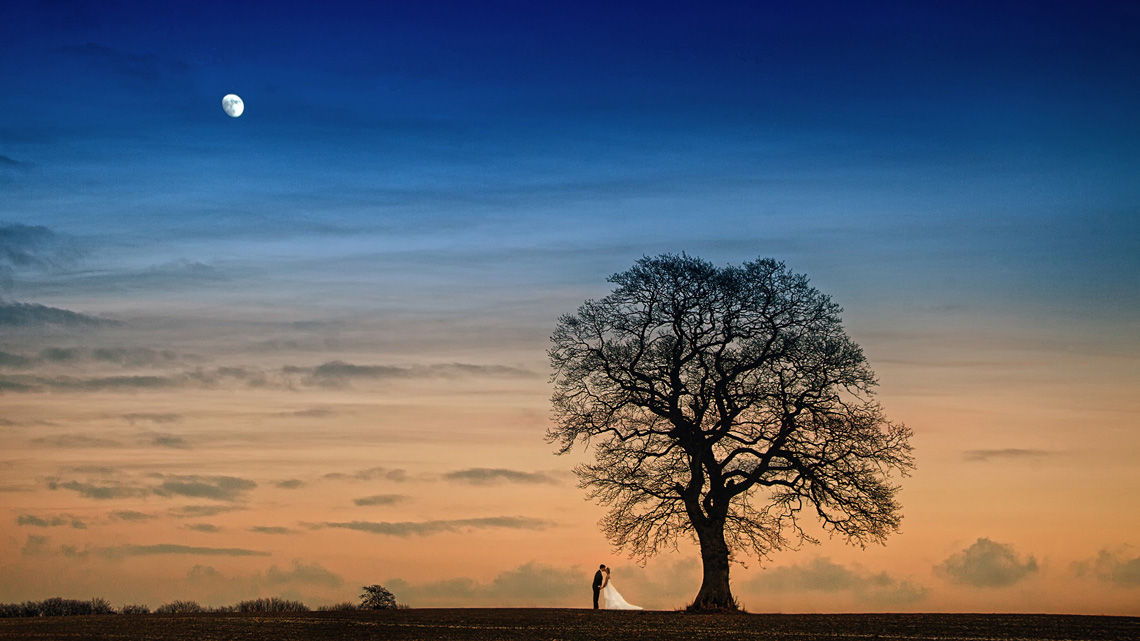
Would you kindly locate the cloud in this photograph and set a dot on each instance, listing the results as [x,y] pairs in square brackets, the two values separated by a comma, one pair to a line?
[289,484]
[1113,568]
[54,521]
[427,528]
[1005,454]
[823,575]
[316,412]
[101,492]
[218,488]
[35,545]
[5,161]
[101,470]
[488,476]
[152,418]
[338,373]
[134,356]
[528,585]
[167,440]
[131,515]
[380,499]
[31,315]
[31,247]
[120,551]
[198,511]
[68,383]
[303,573]
[68,441]
[986,564]
[204,527]
[270,529]
[370,474]
[15,361]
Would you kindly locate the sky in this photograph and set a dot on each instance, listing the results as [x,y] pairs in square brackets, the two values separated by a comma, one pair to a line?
[304,350]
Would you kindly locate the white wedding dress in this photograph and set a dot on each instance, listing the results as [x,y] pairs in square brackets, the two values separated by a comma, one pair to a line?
[614,600]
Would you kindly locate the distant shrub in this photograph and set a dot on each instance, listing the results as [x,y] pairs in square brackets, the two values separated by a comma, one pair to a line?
[377,597]
[55,607]
[347,606]
[272,604]
[100,606]
[179,607]
[132,608]
[223,608]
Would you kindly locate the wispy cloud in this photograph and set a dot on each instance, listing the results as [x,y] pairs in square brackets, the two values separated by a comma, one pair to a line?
[199,511]
[370,474]
[289,484]
[427,528]
[338,373]
[303,574]
[987,564]
[36,545]
[101,491]
[31,247]
[131,515]
[1005,454]
[380,499]
[172,549]
[208,528]
[166,440]
[141,417]
[51,521]
[531,584]
[76,441]
[219,488]
[271,529]
[491,476]
[1114,568]
[824,575]
[316,412]
[14,314]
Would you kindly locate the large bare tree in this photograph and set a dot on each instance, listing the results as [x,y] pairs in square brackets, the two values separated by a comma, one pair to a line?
[720,403]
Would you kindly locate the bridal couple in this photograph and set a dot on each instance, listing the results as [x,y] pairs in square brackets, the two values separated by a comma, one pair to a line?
[611,599]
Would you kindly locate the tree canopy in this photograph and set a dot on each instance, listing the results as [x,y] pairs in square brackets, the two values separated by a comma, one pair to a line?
[720,403]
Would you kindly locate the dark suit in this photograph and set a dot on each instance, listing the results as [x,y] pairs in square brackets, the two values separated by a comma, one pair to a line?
[597,587]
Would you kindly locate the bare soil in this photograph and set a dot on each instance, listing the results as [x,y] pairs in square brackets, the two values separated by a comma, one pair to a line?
[540,624]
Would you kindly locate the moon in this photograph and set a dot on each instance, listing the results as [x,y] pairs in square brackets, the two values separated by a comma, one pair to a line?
[232,105]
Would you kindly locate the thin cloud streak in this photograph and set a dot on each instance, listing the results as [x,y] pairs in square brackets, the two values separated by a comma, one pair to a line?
[492,476]
[427,528]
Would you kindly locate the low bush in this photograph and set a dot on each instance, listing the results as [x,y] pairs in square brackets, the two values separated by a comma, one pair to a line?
[272,604]
[132,608]
[179,607]
[55,607]
[347,606]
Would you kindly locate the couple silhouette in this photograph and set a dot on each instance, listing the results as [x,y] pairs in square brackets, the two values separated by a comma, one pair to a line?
[611,599]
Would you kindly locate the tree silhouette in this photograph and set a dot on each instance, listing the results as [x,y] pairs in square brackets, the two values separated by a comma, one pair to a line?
[377,597]
[720,403]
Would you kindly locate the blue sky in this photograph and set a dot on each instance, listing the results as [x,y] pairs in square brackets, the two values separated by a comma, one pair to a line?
[419,185]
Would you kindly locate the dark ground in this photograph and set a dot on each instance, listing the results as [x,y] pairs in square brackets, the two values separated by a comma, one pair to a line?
[550,624]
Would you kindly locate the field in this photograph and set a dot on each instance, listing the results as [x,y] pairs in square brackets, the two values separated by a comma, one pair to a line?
[567,625]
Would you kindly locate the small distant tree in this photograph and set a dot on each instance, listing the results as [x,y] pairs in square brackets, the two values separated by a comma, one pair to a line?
[377,597]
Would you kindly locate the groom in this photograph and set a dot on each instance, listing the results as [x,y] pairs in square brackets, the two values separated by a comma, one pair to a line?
[598,584]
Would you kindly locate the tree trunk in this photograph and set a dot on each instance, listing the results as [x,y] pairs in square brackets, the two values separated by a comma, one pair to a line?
[715,593]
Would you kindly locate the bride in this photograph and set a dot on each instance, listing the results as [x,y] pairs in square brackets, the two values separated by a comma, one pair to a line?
[613,599]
